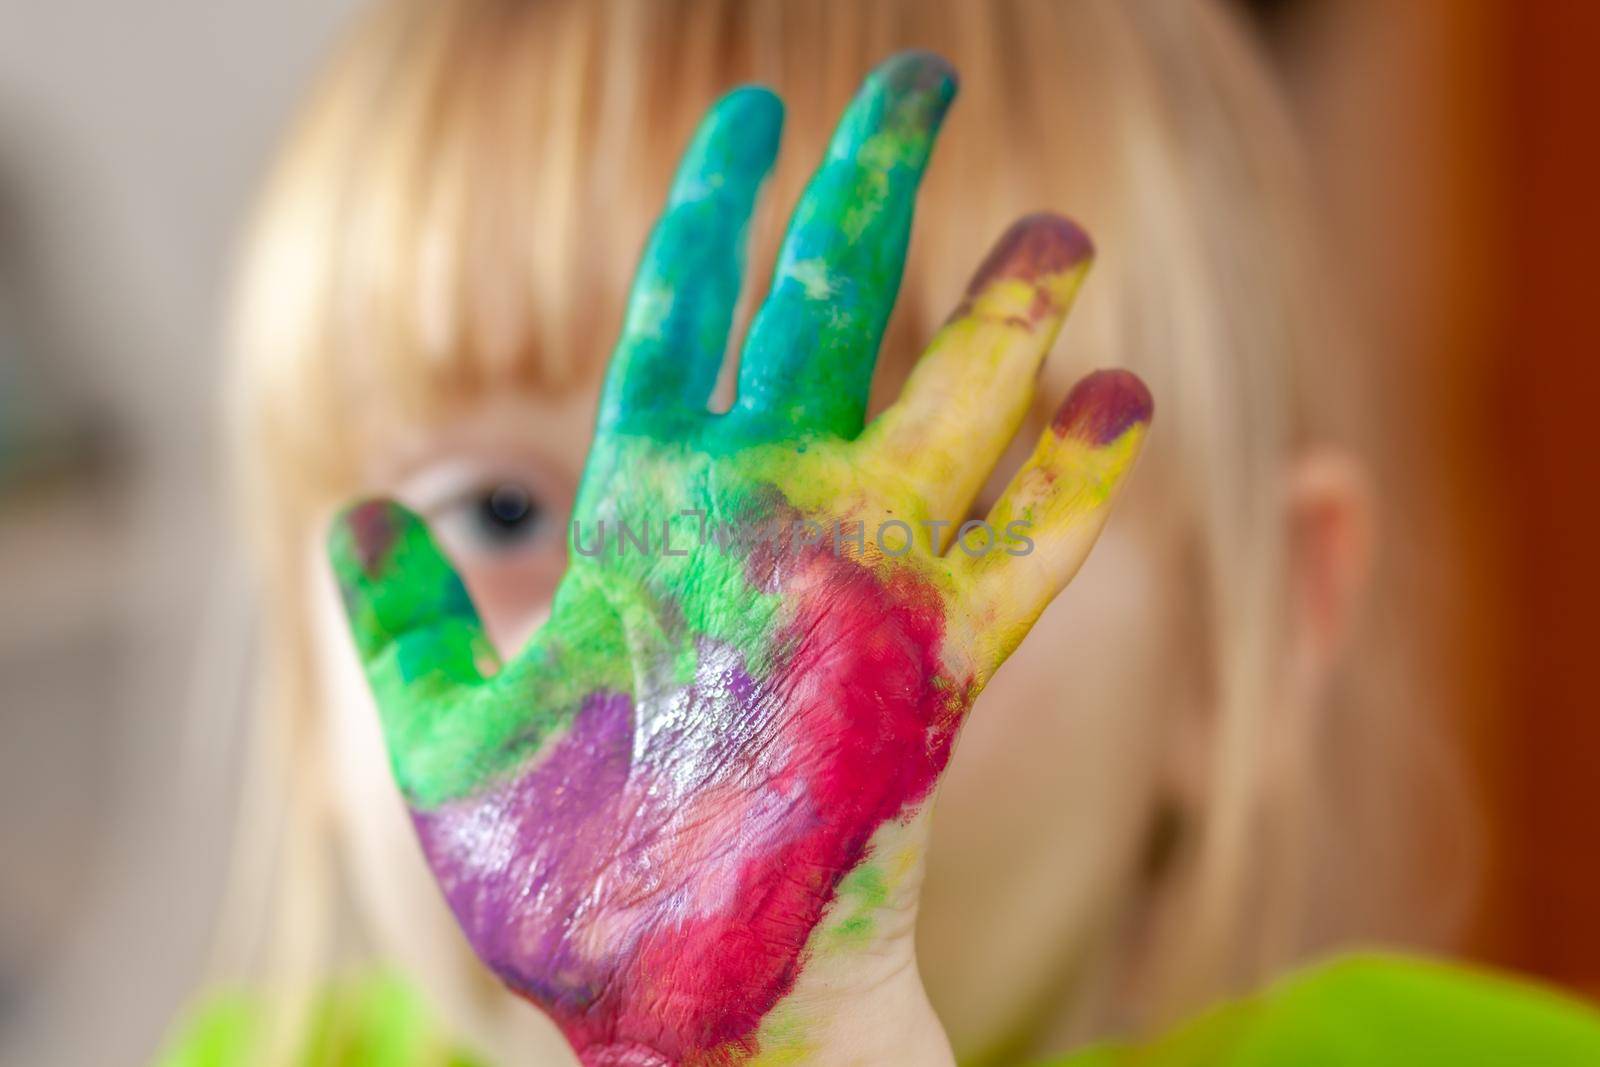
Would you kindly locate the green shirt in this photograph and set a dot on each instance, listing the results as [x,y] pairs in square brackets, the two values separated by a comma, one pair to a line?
[1359,1011]
[378,1021]
[1377,1011]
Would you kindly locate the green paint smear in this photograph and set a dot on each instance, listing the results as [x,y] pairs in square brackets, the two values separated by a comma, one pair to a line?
[860,894]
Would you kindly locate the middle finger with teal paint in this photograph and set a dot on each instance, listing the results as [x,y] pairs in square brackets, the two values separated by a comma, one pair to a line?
[807,364]
[681,305]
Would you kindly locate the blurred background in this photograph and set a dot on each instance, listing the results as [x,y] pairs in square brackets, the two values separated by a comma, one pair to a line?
[1455,145]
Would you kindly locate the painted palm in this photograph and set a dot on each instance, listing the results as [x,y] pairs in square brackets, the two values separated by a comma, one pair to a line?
[708,774]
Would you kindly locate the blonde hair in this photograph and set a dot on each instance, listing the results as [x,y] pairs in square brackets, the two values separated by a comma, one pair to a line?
[459,207]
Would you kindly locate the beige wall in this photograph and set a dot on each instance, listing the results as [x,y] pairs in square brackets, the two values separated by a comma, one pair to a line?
[130,137]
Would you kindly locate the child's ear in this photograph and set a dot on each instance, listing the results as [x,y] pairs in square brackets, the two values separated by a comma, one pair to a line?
[1330,512]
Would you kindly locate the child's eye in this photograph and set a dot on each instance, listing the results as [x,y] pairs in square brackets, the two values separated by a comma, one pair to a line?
[508,512]
[502,518]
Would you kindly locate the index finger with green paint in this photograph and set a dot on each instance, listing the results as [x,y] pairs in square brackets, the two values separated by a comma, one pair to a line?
[808,361]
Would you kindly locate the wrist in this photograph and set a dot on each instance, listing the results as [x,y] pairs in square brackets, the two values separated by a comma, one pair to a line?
[834,1019]
[828,1023]
[859,997]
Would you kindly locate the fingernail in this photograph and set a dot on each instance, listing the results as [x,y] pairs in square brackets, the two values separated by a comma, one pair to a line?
[1103,406]
[917,88]
[1035,247]
[918,71]
[372,527]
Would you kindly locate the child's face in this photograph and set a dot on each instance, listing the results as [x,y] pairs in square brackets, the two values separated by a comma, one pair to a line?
[1043,815]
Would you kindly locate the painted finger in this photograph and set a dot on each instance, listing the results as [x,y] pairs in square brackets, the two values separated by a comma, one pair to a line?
[808,361]
[1050,515]
[420,642]
[681,306]
[973,387]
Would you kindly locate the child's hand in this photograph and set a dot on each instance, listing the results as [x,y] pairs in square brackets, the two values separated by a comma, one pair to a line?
[688,820]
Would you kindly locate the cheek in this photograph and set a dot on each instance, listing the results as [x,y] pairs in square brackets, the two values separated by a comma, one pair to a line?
[513,598]
[1042,819]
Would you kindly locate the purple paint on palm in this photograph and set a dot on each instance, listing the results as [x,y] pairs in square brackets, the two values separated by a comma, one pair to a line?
[577,879]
